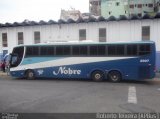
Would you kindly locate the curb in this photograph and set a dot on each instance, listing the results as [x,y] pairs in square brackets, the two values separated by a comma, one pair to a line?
[3,74]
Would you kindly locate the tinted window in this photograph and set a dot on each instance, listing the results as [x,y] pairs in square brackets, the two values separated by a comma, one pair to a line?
[120,49]
[75,50]
[66,50]
[101,50]
[116,50]
[83,50]
[19,51]
[51,51]
[131,50]
[144,49]
[44,51]
[59,50]
[93,50]
[32,51]
[112,50]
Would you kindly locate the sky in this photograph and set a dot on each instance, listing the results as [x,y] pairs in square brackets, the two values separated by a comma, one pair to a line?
[36,10]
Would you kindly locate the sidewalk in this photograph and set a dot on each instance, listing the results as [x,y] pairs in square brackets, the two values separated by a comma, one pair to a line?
[158,75]
[3,73]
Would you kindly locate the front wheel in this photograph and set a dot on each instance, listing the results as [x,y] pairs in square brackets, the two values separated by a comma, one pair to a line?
[30,75]
[97,76]
[114,76]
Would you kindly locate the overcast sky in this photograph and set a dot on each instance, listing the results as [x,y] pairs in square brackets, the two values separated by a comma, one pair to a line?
[19,10]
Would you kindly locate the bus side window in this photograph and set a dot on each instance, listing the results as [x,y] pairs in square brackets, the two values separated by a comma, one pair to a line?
[44,51]
[66,50]
[51,51]
[93,50]
[83,50]
[75,50]
[120,50]
[144,49]
[59,50]
[35,51]
[101,50]
[29,51]
[132,50]
[111,50]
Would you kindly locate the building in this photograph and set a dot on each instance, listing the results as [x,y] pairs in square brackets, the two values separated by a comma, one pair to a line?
[95,7]
[142,7]
[114,8]
[129,8]
[100,29]
[70,14]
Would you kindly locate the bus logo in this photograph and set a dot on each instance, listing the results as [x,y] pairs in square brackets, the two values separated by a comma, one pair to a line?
[144,60]
[64,70]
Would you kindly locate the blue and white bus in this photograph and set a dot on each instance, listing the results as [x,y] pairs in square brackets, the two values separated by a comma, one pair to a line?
[97,61]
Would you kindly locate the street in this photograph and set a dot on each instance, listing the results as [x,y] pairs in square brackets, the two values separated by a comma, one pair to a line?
[78,96]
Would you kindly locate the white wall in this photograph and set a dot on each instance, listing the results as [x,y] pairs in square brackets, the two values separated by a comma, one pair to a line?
[128,30]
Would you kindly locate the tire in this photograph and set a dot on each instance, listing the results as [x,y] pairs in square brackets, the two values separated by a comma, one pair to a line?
[97,76]
[30,75]
[114,76]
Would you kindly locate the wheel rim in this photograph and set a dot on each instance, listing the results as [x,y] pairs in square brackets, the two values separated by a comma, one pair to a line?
[97,76]
[30,74]
[114,77]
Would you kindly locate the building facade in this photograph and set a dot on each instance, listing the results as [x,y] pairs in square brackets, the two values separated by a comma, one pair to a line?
[70,14]
[129,8]
[100,30]
[95,7]
[114,8]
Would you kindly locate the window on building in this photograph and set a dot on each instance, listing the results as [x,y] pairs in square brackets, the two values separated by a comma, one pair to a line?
[139,5]
[37,37]
[4,40]
[135,5]
[150,5]
[109,13]
[102,35]
[145,32]
[20,38]
[117,3]
[82,34]
[140,15]
[131,6]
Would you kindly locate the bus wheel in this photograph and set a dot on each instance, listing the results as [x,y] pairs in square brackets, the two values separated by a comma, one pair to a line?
[30,75]
[114,76]
[97,76]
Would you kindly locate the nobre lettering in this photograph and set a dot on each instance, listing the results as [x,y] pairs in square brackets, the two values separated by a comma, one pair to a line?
[67,71]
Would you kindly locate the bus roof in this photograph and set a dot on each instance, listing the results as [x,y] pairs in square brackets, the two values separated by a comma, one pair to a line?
[88,43]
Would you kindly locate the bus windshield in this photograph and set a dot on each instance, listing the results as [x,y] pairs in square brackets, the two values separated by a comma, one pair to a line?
[16,56]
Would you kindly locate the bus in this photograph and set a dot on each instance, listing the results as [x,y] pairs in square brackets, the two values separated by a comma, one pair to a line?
[94,60]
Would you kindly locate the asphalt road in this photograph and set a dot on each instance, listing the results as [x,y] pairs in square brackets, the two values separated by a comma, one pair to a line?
[78,96]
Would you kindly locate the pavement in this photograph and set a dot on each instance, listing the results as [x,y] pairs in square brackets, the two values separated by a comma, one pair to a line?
[78,96]
[5,74]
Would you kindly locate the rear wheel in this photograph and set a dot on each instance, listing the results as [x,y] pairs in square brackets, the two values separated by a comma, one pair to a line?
[114,76]
[30,75]
[97,76]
